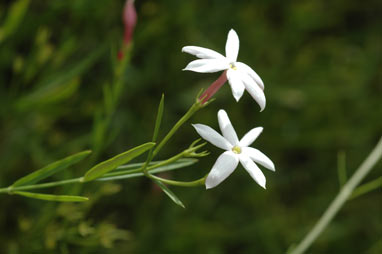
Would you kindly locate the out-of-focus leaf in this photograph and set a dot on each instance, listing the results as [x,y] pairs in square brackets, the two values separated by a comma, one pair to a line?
[14,18]
[108,165]
[367,187]
[51,169]
[48,95]
[49,197]
[169,193]
[58,86]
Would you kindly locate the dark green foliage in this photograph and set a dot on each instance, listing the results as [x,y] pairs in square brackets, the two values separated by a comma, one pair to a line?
[60,94]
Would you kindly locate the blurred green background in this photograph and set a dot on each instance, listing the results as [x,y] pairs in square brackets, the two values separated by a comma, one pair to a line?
[321,65]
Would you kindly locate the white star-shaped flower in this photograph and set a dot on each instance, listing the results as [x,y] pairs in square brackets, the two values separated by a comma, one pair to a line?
[235,151]
[240,76]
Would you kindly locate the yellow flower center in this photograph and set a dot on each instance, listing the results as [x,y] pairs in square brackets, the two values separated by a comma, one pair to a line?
[232,66]
[236,149]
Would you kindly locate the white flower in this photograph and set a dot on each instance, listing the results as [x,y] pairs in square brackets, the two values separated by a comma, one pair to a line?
[235,151]
[240,76]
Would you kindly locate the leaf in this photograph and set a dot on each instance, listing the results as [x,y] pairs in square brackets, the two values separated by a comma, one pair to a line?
[131,173]
[15,15]
[51,169]
[159,119]
[58,86]
[169,193]
[367,187]
[102,168]
[341,168]
[49,197]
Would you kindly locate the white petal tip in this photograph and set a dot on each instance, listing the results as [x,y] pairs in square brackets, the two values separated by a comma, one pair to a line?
[237,98]
[208,187]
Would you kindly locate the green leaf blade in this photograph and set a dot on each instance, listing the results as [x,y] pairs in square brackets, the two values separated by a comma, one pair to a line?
[106,166]
[158,119]
[49,197]
[169,193]
[51,169]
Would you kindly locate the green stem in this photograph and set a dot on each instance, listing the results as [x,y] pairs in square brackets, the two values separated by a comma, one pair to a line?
[157,165]
[78,180]
[40,186]
[194,108]
[198,182]
[341,198]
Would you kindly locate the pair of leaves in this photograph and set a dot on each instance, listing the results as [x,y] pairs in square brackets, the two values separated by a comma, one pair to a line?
[47,171]
[161,185]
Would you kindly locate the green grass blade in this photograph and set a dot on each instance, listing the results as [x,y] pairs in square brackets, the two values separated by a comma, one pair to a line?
[108,165]
[341,168]
[159,119]
[367,187]
[49,197]
[51,169]
[169,193]
[15,15]
[58,86]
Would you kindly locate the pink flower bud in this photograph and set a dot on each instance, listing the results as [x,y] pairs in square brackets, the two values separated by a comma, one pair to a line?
[213,88]
[129,18]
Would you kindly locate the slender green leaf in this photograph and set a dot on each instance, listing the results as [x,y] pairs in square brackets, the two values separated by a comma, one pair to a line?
[108,165]
[367,187]
[51,169]
[159,119]
[132,173]
[341,168]
[169,193]
[58,86]
[15,15]
[49,197]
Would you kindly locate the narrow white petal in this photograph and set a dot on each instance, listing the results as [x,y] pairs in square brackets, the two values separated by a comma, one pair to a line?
[212,136]
[232,46]
[223,167]
[245,68]
[226,128]
[250,136]
[207,65]
[253,170]
[254,90]
[202,52]
[258,157]
[236,84]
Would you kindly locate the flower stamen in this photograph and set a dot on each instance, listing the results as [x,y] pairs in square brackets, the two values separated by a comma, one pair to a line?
[236,149]
[233,66]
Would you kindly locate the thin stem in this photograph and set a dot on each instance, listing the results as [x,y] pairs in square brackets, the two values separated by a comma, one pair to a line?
[40,186]
[340,199]
[198,182]
[107,176]
[194,108]
[140,169]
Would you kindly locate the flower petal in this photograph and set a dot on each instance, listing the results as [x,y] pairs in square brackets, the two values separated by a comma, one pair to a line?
[258,157]
[212,136]
[207,65]
[226,128]
[253,170]
[223,167]
[232,46]
[202,52]
[236,84]
[245,68]
[254,90]
[250,136]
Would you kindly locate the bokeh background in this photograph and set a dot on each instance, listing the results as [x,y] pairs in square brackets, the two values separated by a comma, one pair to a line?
[321,65]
